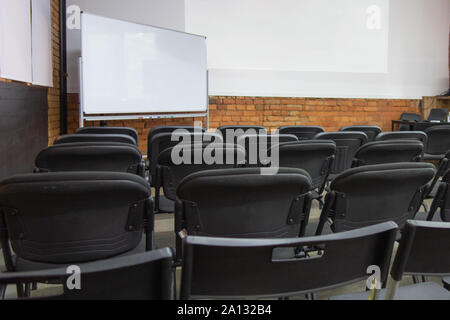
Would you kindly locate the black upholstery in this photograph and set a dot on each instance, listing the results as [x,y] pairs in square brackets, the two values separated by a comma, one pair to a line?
[168,129]
[347,143]
[302,132]
[438,142]
[373,194]
[314,156]
[145,276]
[73,217]
[91,156]
[389,151]
[404,135]
[438,115]
[86,138]
[371,131]
[444,165]
[110,130]
[237,268]
[442,199]
[422,126]
[238,131]
[409,117]
[257,147]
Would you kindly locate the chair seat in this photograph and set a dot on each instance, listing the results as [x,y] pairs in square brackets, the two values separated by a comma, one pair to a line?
[446,282]
[420,291]
[434,191]
[166,205]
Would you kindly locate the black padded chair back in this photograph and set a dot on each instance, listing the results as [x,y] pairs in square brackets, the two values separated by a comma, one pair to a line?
[236,268]
[87,138]
[168,129]
[73,217]
[371,131]
[404,135]
[163,141]
[442,199]
[146,276]
[438,141]
[440,114]
[258,146]
[314,156]
[244,203]
[110,130]
[423,126]
[423,250]
[409,117]
[373,194]
[347,143]
[302,132]
[93,156]
[169,174]
[389,151]
[237,131]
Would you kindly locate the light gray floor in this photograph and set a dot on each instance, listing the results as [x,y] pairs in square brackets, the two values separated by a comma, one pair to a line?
[165,237]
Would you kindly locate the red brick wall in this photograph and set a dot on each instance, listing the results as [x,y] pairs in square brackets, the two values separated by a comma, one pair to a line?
[272,113]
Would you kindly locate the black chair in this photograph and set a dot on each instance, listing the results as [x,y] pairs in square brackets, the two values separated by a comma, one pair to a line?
[424,250]
[169,174]
[55,219]
[163,141]
[240,268]
[404,135]
[347,143]
[373,194]
[444,165]
[238,131]
[110,130]
[389,151]
[145,276]
[438,142]
[302,132]
[92,156]
[371,131]
[87,138]
[168,129]
[412,117]
[242,203]
[314,156]
[441,199]
[257,147]
[440,115]
[423,126]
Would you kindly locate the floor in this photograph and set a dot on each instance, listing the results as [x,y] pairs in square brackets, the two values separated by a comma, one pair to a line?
[165,237]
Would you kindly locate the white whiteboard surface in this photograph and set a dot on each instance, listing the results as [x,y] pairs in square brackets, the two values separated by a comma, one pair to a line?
[133,68]
[42,43]
[15,40]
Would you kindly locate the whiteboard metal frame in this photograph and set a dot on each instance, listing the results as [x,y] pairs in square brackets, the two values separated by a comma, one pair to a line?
[84,117]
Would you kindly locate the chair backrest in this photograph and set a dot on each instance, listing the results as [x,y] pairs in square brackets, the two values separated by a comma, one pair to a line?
[93,156]
[347,143]
[74,216]
[422,126]
[408,117]
[371,131]
[314,156]
[424,249]
[440,114]
[438,140]
[146,276]
[442,198]
[302,132]
[237,131]
[86,138]
[257,146]
[237,268]
[110,130]
[170,174]
[244,203]
[169,129]
[389,151]
[404,135]
[163,141]
[373,194]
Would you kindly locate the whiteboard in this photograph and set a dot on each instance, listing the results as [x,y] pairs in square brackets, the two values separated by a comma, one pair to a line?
[41,32]
[15,40]
[133,68]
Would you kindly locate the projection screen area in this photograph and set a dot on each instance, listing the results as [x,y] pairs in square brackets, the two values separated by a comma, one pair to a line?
[324,48]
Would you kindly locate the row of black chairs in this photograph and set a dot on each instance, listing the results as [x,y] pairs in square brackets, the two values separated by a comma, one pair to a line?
[233,268]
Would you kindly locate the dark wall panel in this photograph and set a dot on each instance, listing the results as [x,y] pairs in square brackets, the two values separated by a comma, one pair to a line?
[23,127]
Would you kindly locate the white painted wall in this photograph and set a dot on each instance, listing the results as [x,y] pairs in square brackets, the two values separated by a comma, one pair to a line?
[160,13]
